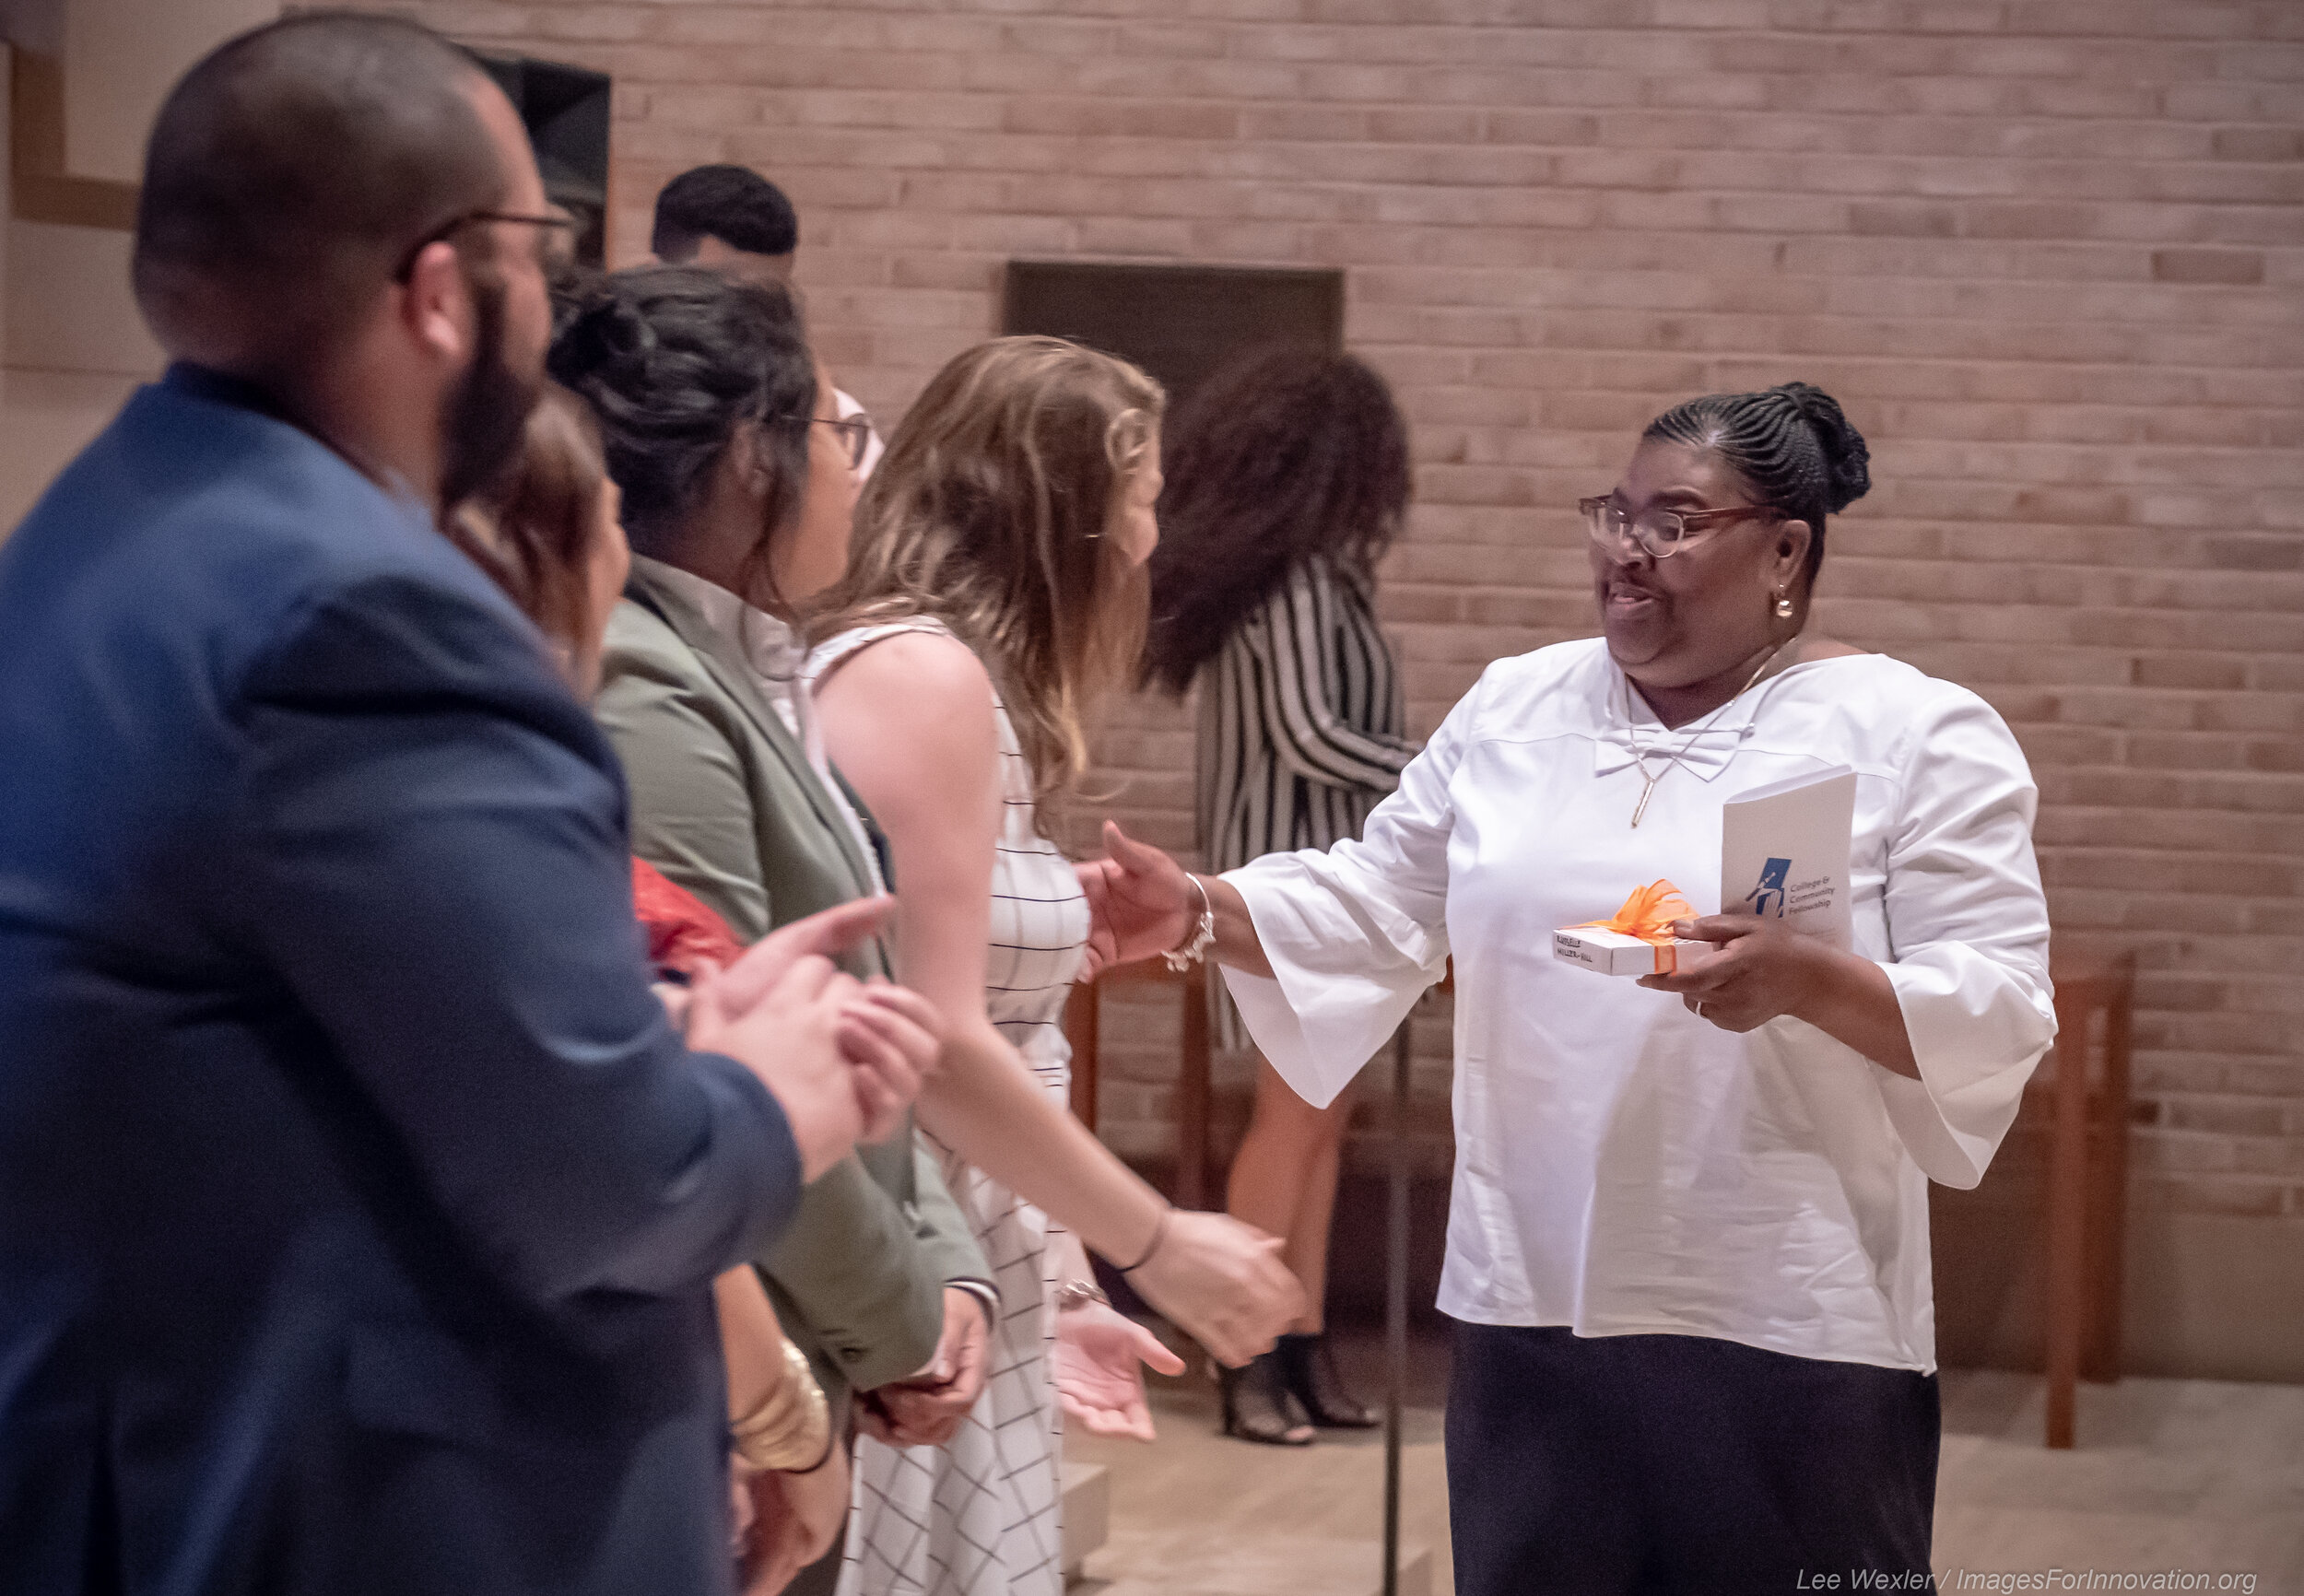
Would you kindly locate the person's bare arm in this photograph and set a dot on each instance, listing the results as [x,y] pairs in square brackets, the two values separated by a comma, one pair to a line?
[751,1341]
[786,1519]
[909,722]
[1100,1356]
[932,779]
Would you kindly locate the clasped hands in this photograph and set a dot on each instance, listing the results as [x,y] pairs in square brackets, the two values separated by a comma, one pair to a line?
[844,1057]
[927,1409]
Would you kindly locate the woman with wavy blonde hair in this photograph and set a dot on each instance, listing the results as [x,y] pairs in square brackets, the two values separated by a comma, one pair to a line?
[995,589]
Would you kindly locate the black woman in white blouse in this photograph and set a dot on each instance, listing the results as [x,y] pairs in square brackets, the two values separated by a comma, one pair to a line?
[1687,1245]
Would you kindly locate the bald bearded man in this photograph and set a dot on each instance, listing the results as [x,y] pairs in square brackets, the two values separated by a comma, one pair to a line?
[358,1205]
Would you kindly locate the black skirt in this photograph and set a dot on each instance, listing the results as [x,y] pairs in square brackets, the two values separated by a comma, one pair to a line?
[1680,1463]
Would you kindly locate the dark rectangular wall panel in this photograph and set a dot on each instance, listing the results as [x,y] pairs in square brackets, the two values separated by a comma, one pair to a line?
[1178,322]
[566,112]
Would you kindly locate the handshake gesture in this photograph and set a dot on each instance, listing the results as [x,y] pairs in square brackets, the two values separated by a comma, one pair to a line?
[844,1057]
[1140,902]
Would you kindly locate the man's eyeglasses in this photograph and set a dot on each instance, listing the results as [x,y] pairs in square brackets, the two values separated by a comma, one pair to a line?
[1662,532]
[855,434]
[456,224]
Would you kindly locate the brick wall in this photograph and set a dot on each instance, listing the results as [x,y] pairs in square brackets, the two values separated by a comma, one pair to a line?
[2049,254]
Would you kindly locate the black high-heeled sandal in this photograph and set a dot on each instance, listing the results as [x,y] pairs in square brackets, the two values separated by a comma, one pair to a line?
[1257,1406]
[1308,1366]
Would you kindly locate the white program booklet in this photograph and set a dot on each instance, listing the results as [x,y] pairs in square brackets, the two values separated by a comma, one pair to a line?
[1783,853]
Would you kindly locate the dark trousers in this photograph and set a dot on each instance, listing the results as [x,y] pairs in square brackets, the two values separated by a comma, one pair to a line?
[1671,1463]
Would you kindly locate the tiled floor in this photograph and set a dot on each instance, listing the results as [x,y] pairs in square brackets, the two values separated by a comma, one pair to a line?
[1196,1515]
[2195,1476]
[2170,1476]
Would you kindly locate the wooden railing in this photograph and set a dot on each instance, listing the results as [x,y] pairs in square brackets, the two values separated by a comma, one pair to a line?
[2086,1084]
[1084,1028]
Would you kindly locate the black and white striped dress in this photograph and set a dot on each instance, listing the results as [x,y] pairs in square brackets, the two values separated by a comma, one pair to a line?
[981,1515]
[1302,727]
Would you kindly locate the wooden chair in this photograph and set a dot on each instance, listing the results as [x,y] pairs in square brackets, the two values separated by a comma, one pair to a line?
[1083,1016]
[2087,1086]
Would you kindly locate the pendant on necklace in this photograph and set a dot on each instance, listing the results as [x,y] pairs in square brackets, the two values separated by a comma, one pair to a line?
[1648,791]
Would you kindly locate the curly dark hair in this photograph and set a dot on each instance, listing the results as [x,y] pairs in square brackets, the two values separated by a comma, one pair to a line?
[1284,456]
[1790,443]
[673,359]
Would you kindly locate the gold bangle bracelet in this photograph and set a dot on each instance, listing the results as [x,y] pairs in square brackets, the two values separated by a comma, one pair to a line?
[790,1429]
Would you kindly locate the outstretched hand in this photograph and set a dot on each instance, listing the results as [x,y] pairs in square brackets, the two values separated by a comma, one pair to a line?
[1139,902]
[1100,1354]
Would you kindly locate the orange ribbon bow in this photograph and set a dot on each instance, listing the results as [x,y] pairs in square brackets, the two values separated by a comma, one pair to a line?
[1648,914]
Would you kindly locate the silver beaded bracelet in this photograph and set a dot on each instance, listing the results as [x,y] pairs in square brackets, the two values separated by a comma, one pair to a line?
[1195,949]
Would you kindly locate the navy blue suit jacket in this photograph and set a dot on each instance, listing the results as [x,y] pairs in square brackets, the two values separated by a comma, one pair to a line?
[358,1206]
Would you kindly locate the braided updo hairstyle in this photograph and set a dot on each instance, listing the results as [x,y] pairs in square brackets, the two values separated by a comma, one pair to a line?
[673,359]
[1789,443]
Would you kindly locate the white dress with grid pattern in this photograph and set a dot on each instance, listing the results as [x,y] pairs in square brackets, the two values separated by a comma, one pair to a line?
[981,1515]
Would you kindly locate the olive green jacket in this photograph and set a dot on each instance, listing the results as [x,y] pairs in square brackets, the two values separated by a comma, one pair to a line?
[725,804]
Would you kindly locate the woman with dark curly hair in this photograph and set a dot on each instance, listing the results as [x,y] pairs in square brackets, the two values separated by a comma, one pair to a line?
[1287,479]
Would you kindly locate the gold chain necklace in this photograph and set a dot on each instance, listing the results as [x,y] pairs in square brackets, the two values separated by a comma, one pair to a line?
[1639,754]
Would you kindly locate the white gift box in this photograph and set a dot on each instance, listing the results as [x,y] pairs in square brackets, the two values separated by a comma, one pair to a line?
[1613,953]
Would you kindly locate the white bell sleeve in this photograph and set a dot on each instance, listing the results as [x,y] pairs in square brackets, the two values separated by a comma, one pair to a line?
[1968,933]
[1355,933]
